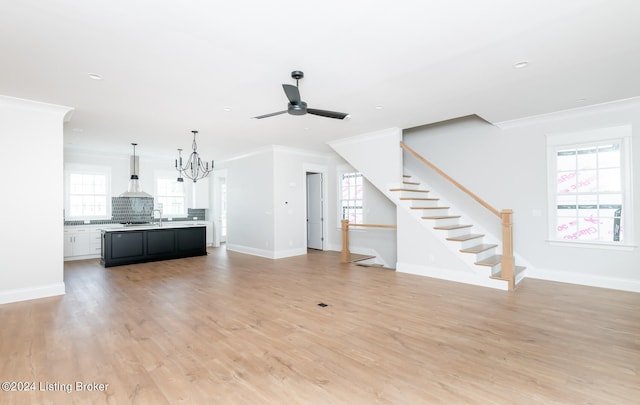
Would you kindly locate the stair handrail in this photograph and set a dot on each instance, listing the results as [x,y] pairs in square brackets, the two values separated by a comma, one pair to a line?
[508,260]
[345,254]
[450,179]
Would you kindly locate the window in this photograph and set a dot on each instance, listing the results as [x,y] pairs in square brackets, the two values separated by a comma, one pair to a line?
[589,189]
[170,196]
[351,197]
[87,191]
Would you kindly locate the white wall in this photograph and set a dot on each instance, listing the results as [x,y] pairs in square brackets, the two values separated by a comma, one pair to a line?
[31,259]
[381,147]
[267,205]
[508,168]
[250,199]
[290,199]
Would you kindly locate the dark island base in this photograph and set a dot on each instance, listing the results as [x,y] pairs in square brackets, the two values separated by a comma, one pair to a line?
[148,245]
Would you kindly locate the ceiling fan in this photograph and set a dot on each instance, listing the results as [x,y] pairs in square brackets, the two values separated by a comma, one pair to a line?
[297,106]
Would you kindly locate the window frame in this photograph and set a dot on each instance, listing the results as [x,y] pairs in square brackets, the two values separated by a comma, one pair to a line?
[341,175]
[587,139]
[84,169]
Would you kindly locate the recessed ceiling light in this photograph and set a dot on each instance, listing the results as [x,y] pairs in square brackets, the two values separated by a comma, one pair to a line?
[581,100]
[227,109]
[94,76]
[379,107]
[521,64]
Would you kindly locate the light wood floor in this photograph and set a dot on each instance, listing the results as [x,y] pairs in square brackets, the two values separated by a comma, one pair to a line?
[229,328]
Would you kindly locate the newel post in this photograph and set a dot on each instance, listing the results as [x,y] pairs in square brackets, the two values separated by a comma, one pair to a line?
[508,260]
[345,255]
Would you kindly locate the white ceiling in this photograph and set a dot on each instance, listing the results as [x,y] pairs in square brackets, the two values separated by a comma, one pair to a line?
[172,66]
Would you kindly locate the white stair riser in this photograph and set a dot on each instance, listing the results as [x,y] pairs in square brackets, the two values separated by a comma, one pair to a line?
[470,243]
[486,254]
[434,212]
[459,232]
[410,194]
[423,203]
[484,271]
[442,222]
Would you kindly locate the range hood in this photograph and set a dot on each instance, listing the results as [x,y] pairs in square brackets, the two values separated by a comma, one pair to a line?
[134,189]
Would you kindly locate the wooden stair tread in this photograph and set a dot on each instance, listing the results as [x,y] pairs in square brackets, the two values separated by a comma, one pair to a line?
[478,248]
[443,217]
[413,183]
[429,208]
[516,270]
[463,238]
[490,261]
[360,258]
[376,265]
[419,198]
[451,227]
[409,189]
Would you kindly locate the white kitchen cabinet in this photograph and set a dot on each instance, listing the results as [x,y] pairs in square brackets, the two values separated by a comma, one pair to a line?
[82,243]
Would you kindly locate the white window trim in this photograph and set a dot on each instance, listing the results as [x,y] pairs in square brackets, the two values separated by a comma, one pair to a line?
[85,169]
[623,134]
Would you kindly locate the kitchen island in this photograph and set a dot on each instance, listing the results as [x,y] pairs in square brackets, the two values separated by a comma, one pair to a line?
[147,243]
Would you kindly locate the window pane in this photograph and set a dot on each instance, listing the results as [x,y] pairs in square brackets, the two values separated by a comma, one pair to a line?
[567,228]
[587,158]
[609,180]
[351,197]
[609,156]
[566,181]
[87,195]
[566,160]
[170,196]
[587,181]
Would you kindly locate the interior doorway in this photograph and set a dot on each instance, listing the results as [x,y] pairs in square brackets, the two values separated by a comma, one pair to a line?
[219,207]
[315,216]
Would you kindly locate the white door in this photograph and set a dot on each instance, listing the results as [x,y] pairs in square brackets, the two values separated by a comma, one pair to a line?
[314,211]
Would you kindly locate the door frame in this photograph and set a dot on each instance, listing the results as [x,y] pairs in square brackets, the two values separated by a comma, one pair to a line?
[322,170]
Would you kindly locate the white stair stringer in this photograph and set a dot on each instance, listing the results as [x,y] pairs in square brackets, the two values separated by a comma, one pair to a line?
[454,231]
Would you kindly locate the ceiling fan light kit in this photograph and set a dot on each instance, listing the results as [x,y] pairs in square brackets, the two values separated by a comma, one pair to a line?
[298,107]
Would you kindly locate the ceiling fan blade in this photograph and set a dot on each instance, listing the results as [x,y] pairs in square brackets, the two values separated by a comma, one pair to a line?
[329,114]
[270,115]
[292,92]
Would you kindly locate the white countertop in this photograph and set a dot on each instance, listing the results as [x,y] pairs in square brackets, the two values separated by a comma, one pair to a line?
[145,227]
[122,227]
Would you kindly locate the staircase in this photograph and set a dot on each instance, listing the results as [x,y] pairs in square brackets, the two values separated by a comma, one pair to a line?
[434,239]
[481,255]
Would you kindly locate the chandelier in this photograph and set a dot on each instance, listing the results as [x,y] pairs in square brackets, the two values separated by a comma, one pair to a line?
[194,169]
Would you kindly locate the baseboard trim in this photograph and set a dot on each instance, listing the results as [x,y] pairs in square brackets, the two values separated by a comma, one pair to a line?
[269,254]
[25,294]
[585,279]
[281,254]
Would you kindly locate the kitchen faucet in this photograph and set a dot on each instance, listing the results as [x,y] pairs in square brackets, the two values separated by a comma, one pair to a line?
[159,212]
